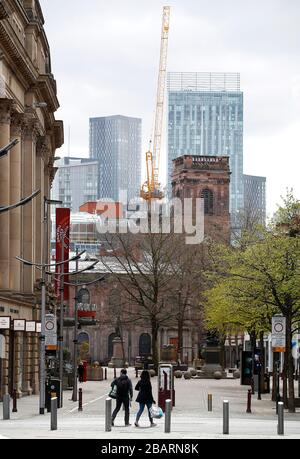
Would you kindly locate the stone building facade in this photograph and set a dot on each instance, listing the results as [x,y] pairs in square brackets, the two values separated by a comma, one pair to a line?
[28,100]
[106,298]
[206,177]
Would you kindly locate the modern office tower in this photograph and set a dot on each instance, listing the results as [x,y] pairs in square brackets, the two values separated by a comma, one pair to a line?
[76,182]
[116,142]
[255,199]
[206,118]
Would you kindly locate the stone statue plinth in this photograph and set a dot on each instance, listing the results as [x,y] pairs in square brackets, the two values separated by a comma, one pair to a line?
[117,360]
[212,363]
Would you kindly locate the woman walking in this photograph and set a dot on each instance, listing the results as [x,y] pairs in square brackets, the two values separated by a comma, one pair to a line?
[145,397]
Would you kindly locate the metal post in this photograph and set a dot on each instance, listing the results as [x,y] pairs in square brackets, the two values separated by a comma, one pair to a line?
[54,413]
[168,416]
[249,401]
[80,400]
[280,426]
[299,376]
[105,373]
[259,382]
[226,417]
[14,410]
[61,320]
[115,373]
[209,402]
[136,373]
[75,340]
[108,414]
[42,344]
[277,385]
[6,406]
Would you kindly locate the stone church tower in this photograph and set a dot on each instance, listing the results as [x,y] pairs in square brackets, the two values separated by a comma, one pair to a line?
[206,177]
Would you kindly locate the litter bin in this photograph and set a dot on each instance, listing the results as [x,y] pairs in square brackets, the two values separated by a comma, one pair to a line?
[53,389]
[266,383]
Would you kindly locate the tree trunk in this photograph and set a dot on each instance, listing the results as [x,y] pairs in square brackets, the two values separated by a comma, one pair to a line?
[180,340]
[154,331]
[290,365]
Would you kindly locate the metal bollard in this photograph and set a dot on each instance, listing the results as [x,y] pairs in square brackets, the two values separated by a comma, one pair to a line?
[168,416]
[54,413]
[249,401]
[6,406]
[108,414]
[105,373]
[280,425]
[136,373]
[14,410]
[115,373]
[80,400]
[209,402]
[226,417]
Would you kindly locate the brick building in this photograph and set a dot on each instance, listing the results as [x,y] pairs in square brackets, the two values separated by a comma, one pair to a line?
[206,177]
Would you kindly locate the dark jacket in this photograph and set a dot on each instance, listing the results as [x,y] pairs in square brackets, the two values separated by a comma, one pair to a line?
[145,392]
[124,387]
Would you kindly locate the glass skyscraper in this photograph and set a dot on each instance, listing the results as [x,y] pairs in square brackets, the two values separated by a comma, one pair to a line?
[205,117]
[116,142]
[76,182]
[255,199]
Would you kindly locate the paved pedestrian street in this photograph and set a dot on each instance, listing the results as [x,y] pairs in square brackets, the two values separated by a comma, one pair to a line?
[190,417]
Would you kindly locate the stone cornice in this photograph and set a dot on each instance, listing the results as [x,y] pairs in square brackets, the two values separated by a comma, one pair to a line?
[18,54]
[4,12]
[47,86]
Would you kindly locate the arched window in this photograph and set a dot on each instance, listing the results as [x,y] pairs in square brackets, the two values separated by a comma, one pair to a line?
[84,296]
[208,201]
[145,344]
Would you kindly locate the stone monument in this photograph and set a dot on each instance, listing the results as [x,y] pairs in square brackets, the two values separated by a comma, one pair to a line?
[117,360]
[212,357]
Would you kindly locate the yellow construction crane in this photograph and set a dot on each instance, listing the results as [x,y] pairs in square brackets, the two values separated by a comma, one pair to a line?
[151,189]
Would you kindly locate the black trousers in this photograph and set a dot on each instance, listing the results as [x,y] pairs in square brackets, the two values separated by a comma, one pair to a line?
[120,402]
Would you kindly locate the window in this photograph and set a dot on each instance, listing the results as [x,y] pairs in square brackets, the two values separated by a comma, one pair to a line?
[84,296]
[208,201]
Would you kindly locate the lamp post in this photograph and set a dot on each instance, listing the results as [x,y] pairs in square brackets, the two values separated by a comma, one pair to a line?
[4,150]
[76,285]
[43,267]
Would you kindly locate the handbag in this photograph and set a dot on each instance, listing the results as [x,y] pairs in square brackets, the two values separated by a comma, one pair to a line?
[156,412]
[113,392]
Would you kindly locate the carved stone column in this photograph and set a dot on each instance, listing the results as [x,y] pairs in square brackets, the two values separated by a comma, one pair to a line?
[5,363]
[15,196]
[34,377]
[27,390]
[5,113]
[17,364]
[28,186]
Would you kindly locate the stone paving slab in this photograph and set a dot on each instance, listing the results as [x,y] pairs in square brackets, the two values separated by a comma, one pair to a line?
[190,418]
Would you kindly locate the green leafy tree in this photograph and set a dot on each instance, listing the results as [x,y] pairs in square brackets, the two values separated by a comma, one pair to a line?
[255,282]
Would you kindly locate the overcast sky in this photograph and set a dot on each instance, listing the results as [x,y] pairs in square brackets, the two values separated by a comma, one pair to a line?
[105,60]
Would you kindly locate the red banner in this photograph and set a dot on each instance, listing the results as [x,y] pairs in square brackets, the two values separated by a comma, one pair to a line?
[62,246]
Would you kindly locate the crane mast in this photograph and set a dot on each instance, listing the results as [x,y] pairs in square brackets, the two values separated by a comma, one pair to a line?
[151,188]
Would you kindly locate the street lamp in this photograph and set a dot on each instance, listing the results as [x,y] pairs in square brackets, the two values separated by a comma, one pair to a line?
[4,151]
[43,267]
[20,203]
[62,284]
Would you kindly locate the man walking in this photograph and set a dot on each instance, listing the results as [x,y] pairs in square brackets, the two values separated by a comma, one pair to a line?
[124,395]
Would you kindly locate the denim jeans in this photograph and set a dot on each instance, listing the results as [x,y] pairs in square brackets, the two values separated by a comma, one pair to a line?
[141,409]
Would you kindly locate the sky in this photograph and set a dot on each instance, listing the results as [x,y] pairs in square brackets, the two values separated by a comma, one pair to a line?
[105,58]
